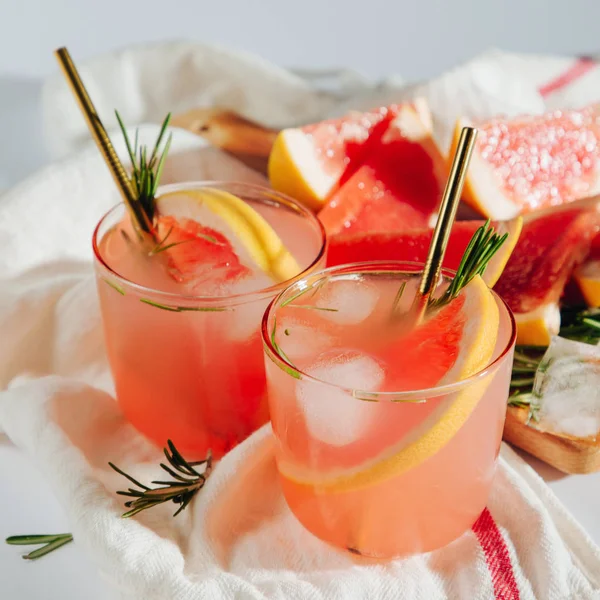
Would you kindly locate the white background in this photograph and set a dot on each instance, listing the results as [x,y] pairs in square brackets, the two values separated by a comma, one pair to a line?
[414,39]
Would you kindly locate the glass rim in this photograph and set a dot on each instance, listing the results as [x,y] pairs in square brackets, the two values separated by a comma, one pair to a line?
[229,299]
[400,396]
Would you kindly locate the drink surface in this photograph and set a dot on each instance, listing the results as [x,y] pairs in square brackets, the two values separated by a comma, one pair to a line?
[366,469]
[198,253]
[186,368]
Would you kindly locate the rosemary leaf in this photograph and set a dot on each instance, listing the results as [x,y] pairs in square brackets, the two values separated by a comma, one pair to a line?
[398,297]
[179,309]
[311,307]
[48,543]
[289,370]
[130,150]
[49,548]
[114,286]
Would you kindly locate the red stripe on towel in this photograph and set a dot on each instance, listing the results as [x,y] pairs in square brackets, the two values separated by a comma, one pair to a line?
[575,71]
[497,557]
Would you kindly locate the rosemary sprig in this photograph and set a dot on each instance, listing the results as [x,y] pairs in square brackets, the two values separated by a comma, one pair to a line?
[580,325]
[146,169]
[482,247]
[187,482]
[47,543]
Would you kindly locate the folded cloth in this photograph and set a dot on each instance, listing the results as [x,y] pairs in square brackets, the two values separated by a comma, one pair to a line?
[237,539]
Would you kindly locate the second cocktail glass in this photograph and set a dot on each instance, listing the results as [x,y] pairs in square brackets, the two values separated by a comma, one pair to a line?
[373,457]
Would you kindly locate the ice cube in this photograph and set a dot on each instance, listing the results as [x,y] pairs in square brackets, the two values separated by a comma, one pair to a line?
[301,341]
[333,415]
[567,389]
[352,300]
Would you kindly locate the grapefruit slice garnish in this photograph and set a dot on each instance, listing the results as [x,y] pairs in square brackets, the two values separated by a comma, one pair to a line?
[455,343]
[398,185]
[308,163]
[587,277]
[413,246]
[246,231]
[197,254]
[527,163]
[552,243]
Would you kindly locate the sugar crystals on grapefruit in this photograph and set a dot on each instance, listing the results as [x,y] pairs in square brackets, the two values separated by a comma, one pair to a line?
[529,163]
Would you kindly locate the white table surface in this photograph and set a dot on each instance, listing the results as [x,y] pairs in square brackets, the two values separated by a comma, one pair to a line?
[27,504]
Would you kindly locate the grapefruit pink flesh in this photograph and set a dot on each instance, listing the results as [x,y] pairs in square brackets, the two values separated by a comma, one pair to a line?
[308,163]
[551,245]
[199,254]
[413,246]
[527,163]
[397,187]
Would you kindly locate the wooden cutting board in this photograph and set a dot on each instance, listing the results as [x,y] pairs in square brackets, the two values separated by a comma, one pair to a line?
[565,454]
[246,140]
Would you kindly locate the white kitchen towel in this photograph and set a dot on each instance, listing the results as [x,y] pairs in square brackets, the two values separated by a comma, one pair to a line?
[237,539]
[146,82]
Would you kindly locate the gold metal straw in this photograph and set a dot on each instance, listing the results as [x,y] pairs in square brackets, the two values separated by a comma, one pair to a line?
[441,233]
[101,138]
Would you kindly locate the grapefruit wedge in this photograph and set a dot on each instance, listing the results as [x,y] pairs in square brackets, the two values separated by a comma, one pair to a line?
[453,344]
[524,164]
[553,242]
[413,246]
[399,184]
[308,163]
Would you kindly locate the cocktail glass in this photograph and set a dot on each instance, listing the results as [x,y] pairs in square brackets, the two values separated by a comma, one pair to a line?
[379,474]
[189,367]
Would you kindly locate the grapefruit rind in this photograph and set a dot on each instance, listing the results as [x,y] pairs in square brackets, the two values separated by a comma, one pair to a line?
[373,185]
[500,259]
[482,188]
[477,348]
[587,277]
[251,229]
[537,327]
[294,169]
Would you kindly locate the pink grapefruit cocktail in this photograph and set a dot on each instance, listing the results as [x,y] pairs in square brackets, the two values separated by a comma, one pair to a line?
[182,320]
[386,441]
